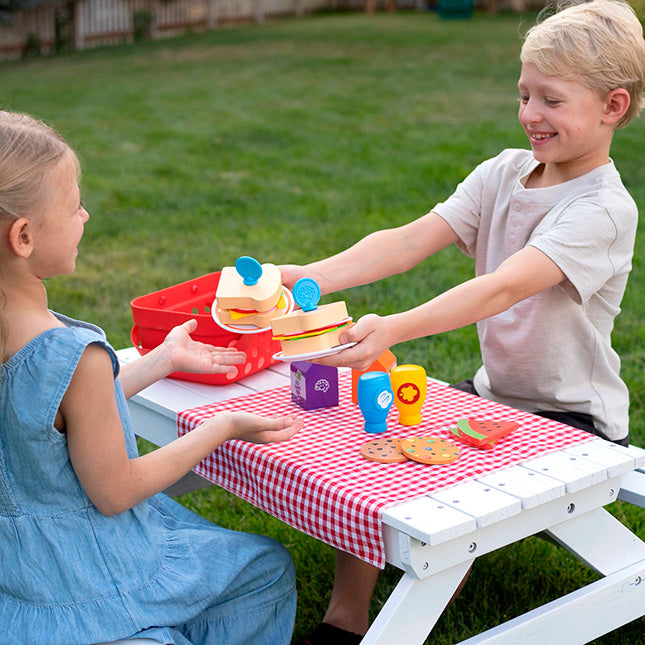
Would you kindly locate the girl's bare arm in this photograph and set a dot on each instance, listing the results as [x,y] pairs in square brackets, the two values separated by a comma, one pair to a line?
[112,480]
[180,353]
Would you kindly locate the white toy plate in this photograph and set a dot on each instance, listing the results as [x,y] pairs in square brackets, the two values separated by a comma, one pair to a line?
[311,355]
[251,329]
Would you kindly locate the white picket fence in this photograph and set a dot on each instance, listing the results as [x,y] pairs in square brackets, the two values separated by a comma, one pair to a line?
[79,24]
[89,23]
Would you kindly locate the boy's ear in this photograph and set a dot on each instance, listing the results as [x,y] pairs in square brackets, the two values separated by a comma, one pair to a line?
[616,105]
[20,237]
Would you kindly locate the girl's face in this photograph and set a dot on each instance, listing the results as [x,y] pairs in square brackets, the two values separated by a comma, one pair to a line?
[60,227]
[564,122]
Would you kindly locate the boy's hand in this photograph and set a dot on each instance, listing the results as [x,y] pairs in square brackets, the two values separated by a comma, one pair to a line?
[372,338]
[291,273]
[187,355]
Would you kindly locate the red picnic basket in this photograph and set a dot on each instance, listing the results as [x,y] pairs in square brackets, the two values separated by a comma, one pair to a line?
[156,313]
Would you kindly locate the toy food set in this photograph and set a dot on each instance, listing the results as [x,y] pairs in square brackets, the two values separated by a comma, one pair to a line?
[409,384]
[313,386]
[386,362]
[314,331]
[156,313]
[483,433]
[375,399]
[250,293]
[406,387]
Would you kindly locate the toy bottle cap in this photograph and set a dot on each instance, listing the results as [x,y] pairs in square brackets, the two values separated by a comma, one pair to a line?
[306,293]
[249,268]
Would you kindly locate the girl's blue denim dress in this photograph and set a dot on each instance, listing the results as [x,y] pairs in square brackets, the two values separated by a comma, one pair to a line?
[70,575]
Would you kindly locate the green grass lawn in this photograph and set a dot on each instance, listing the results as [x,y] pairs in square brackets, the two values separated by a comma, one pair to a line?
[288,141]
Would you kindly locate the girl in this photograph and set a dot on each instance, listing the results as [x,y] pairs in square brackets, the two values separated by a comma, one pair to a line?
[90,551]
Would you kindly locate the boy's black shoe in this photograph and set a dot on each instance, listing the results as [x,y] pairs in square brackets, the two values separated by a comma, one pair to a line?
[326,634]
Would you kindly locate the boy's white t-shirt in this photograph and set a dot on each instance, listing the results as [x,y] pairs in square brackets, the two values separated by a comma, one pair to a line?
[552,351]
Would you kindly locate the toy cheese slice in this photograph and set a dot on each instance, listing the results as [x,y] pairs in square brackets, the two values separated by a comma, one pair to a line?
[482,433]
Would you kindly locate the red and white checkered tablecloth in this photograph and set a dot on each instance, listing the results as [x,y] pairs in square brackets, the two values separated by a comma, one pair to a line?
[318,482]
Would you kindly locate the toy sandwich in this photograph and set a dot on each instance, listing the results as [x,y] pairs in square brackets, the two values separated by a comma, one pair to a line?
[315,328]
[250,293]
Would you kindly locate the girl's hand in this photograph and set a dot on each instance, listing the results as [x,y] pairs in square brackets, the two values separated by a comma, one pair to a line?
[255,428]
[187,355]
[372,335]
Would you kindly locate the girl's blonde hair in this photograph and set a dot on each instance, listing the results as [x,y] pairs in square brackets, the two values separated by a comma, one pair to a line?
[599,43]
[29,151]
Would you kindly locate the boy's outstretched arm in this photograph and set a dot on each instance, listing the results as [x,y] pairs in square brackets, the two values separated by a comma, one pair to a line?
[521,276]
[376,256]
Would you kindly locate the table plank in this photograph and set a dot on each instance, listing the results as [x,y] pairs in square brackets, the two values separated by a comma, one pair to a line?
[429,520]
[575,472]
[617,459]
[485,503]
[531,487]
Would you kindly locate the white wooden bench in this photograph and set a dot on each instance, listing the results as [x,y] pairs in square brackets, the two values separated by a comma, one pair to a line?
[632,488]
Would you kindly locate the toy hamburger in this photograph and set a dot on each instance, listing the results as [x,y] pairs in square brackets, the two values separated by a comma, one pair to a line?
[250,293]
[315,328]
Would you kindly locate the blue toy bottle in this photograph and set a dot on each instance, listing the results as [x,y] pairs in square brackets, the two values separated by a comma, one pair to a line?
[375,398]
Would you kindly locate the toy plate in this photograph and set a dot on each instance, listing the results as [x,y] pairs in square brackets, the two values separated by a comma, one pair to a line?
[251,329]
[311,355]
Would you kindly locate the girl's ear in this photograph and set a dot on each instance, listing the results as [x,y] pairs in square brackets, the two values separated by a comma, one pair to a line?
[616,105]
[20,237]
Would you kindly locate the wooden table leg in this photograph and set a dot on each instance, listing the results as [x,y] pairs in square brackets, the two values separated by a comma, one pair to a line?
[414,607]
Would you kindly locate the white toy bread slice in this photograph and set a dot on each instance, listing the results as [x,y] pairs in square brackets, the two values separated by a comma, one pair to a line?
[232,293]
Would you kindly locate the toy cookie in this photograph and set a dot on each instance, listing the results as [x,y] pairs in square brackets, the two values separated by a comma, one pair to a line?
[383,451]
[429,450]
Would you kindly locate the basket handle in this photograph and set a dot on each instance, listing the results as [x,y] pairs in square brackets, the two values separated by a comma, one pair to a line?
[135,339]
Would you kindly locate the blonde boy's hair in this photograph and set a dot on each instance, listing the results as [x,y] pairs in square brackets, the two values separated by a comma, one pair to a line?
[598,43]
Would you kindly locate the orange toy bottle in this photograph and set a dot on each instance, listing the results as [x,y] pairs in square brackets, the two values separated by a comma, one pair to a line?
[384,363]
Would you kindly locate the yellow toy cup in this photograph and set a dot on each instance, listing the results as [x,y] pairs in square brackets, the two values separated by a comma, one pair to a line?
[409,385]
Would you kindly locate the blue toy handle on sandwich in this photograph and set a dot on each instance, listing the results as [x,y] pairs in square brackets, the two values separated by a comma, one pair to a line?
[249,269]
[306,293]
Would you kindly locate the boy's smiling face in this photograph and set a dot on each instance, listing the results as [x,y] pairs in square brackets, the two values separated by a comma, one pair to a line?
[565,122]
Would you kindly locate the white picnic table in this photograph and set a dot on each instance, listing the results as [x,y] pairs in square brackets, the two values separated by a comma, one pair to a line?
[434,539]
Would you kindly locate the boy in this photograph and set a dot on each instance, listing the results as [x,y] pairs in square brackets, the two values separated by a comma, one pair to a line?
[552,232]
